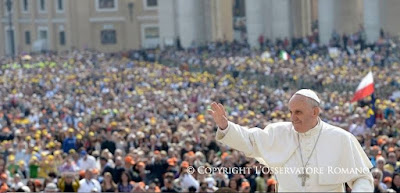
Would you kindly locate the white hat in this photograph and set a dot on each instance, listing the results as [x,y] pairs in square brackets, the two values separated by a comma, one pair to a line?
[308,93]
[51,187]
[26,189]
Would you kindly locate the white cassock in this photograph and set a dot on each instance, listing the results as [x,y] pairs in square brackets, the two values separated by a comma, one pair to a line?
[338,157]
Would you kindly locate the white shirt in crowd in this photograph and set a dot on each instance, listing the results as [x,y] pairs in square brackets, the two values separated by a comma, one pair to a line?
[88,163]
[89,185]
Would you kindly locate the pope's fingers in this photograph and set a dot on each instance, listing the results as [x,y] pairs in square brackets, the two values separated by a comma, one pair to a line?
[214,115]
[222,109]
[214,106]
[217,110]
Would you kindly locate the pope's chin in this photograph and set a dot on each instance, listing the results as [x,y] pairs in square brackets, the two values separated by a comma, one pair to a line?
[297,127]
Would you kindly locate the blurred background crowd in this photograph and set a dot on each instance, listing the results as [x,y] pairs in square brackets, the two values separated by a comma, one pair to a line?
[135,121]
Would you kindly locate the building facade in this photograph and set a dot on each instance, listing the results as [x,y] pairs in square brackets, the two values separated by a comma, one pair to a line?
[104,25]
[291,18]
[111,25]
[118,25]
[195,22]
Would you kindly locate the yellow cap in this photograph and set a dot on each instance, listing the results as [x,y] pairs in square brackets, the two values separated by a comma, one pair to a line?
[11,157]
[153,121]
[79,136]
[21,162]
[57,152]
[251,113]
[50,144]
[50,157]
[91,134]
[71,130]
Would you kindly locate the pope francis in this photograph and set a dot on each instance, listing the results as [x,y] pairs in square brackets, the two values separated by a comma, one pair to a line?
[306,154]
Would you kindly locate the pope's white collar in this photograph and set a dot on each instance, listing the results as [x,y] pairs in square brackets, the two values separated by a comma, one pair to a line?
[313,131]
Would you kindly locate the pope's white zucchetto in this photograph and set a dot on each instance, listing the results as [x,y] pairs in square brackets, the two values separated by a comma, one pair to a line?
[308,93]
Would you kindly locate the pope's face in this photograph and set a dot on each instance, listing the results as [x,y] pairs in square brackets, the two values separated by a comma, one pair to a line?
[303,115]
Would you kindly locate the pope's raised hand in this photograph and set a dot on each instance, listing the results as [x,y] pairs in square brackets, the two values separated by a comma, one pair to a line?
[218,113]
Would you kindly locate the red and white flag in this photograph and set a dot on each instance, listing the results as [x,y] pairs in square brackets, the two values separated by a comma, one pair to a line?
[365,88]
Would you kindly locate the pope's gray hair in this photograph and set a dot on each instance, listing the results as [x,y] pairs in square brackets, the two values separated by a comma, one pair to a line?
[310,101]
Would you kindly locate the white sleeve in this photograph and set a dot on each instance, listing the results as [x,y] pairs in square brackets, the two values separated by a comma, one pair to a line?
[193,181]
[98,186]
[94,163]
[221,133]
[363,184]
[81,188]
[240,138]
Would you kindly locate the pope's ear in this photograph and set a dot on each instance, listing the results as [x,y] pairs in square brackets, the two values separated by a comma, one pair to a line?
[316,111]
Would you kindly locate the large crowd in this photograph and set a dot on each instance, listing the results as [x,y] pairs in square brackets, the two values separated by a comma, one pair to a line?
[136,121]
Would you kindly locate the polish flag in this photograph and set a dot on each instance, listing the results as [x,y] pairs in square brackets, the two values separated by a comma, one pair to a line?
[365,88]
